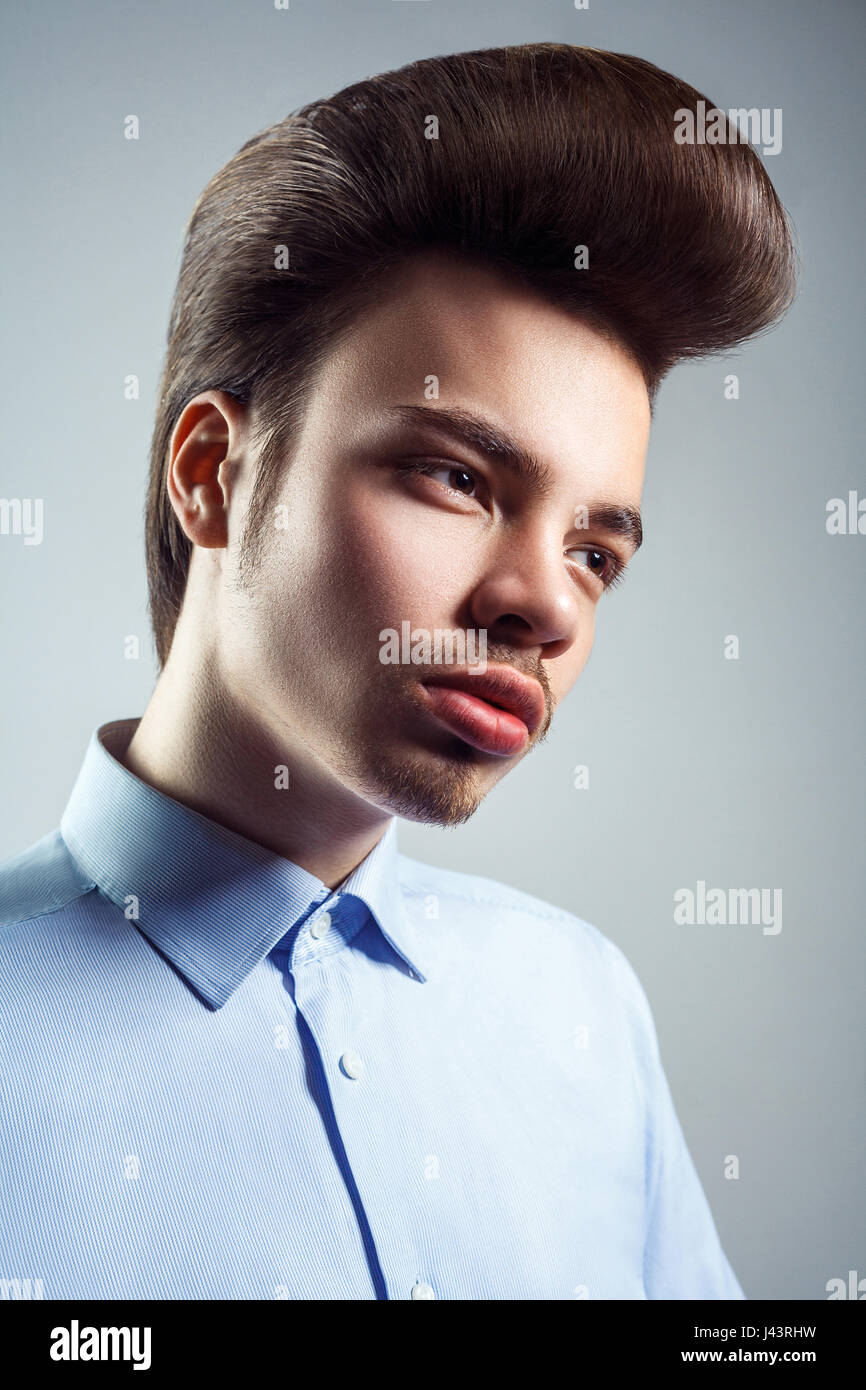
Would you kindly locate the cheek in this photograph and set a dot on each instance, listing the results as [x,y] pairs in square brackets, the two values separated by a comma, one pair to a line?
[394,559]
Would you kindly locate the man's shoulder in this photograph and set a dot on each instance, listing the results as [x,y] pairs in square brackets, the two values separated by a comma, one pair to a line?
[491,900]
[562,956]
[40,880]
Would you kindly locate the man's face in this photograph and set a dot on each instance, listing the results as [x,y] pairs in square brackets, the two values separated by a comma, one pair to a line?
[390,513]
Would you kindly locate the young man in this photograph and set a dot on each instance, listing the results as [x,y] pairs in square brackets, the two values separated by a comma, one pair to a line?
[253,1051]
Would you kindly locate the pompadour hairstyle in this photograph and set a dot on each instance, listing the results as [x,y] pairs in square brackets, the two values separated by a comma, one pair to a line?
[541,148]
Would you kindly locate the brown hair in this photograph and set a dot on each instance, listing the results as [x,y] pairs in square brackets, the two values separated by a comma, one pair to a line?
[541,148]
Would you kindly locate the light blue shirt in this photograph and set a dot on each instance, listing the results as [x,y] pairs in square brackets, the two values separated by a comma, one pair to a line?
[221,1079]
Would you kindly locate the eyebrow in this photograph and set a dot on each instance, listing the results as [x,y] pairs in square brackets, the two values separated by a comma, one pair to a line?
[620,519]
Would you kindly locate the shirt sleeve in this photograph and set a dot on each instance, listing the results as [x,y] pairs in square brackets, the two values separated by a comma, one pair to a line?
[683,1256]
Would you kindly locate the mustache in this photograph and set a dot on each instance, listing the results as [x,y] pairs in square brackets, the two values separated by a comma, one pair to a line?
[500,654]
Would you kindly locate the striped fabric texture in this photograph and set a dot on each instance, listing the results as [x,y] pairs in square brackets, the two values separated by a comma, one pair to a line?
[221,1079]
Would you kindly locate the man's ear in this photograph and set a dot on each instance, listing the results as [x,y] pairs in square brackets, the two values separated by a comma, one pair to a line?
[204,453]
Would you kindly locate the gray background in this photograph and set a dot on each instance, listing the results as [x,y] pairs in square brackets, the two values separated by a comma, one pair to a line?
[743,773]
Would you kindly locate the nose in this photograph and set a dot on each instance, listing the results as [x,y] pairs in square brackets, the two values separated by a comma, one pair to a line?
[526,597]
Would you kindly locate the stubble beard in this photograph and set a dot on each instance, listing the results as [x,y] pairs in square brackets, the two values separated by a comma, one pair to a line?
[436,790]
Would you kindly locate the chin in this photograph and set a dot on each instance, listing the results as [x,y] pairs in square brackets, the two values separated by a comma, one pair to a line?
[434,790]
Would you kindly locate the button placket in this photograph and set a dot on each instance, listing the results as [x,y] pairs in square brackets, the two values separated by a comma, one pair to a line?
[320,925]
[313,940]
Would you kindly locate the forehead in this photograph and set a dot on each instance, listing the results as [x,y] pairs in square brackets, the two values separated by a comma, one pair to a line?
[500,351]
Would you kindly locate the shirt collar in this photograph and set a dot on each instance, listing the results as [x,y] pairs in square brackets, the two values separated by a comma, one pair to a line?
[211,901]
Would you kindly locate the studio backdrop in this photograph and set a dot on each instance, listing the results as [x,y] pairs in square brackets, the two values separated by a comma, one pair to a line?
[715,738]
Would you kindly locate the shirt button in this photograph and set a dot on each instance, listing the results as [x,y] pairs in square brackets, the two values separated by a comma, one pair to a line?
[352,1064]
[422,1291]
[321,925]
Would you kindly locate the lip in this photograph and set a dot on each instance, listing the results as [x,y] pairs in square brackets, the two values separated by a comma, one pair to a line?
[496,711]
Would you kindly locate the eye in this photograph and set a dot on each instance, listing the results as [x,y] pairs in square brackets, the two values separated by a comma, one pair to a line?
[460,479]
[602,563]
[453,476]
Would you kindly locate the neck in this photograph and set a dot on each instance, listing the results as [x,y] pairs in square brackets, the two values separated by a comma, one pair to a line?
[200,746]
